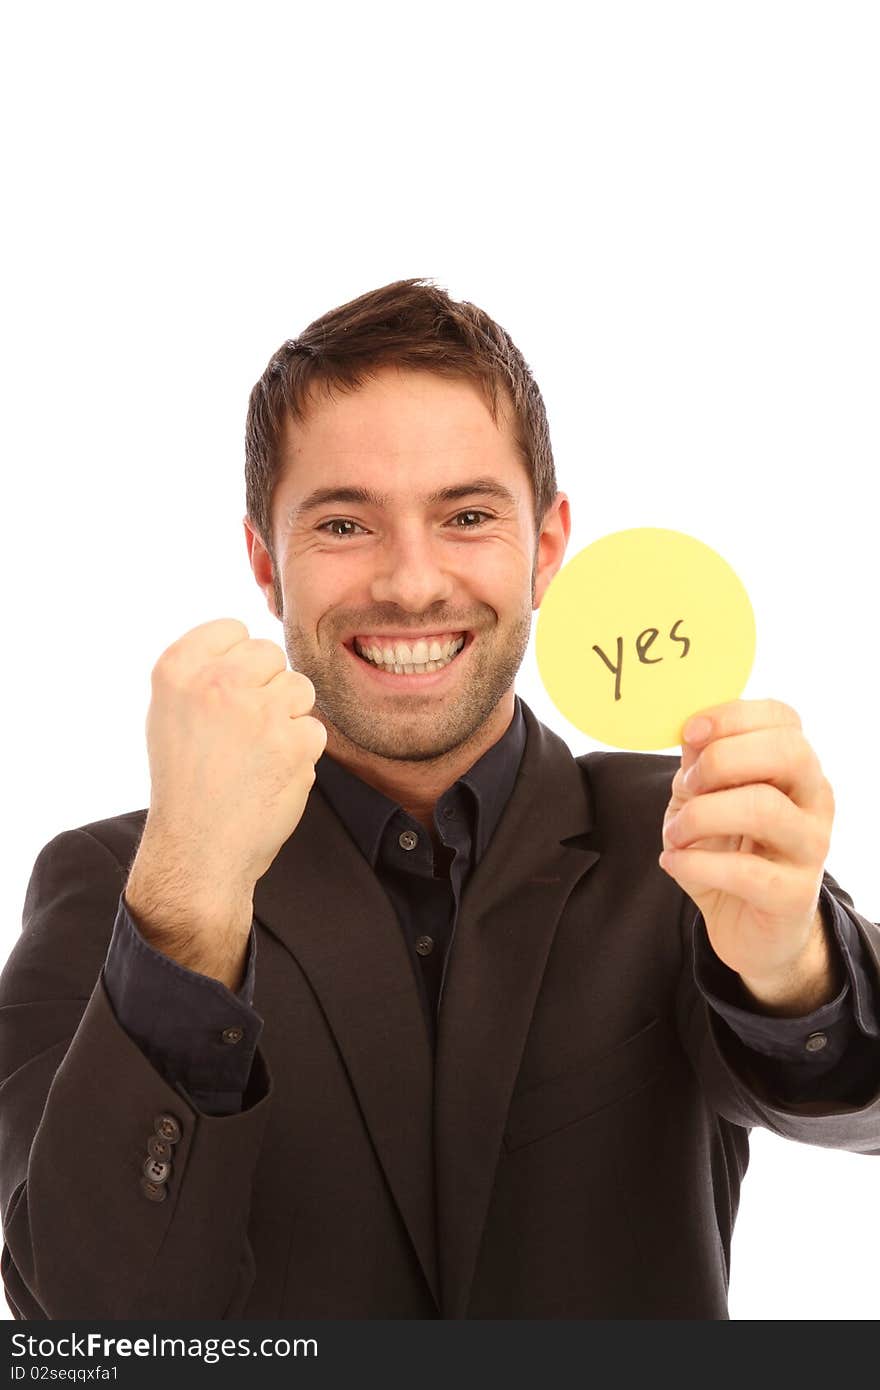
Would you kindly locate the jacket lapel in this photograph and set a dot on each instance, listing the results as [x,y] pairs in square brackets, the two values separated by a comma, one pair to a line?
[510,909]
[322,900]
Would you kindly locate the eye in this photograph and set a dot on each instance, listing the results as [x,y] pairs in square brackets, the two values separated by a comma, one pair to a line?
[346,521]
[338,521]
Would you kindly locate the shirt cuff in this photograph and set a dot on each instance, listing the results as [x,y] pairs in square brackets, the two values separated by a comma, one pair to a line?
[194,1030]
[817,1040]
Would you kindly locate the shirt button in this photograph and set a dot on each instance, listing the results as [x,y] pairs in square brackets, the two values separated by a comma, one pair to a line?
[167,1127]
[232,1035]
[424,945]
[449,812]
[407,839]
[816,1041]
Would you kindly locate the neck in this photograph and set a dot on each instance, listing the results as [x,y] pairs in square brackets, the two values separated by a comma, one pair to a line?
[418,786]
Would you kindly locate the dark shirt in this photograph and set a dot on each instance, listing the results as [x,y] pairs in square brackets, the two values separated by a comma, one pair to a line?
[202,1037]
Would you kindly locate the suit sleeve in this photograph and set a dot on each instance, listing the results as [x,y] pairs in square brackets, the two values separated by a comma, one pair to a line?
[88,1231]
[837,1109]
[191,1026]
[822,1053]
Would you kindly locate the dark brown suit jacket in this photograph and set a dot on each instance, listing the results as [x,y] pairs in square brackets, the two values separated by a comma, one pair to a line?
[576,1153]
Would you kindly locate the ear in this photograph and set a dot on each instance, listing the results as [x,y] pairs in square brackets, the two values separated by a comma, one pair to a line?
[261,564]
[552,541]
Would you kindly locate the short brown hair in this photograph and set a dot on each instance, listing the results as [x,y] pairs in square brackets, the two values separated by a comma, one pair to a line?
[411,324]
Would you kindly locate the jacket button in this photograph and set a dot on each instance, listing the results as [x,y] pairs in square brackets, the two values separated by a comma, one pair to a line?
[154,1170]
[155,1191]
[167,1127]
[159,1148]
[232,1035]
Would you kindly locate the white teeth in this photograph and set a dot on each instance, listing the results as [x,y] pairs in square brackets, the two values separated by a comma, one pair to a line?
[405,660]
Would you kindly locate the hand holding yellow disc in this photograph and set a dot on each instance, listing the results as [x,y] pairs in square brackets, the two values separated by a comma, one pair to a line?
[639,631]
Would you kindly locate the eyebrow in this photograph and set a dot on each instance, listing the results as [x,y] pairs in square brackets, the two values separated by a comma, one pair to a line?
[322,496]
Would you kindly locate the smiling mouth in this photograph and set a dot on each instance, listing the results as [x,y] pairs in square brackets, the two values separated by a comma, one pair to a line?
[449,652]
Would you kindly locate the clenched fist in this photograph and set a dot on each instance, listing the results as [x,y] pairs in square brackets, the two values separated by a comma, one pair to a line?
[232,751]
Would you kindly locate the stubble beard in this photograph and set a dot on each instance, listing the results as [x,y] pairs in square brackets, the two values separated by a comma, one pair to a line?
[417,727]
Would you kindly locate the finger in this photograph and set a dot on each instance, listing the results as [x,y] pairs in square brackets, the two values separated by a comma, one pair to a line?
[779,828]
[741,717]
[210,639]
[677,797]
[255,662]
[295,691]
[317,735]
[780,756]
[690,752]
[780,891]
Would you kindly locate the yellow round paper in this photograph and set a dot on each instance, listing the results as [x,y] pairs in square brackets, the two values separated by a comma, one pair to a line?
[641,630]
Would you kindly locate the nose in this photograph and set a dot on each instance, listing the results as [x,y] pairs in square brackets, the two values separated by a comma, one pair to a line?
[412,573]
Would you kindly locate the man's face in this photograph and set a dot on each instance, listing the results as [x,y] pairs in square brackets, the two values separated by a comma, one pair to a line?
[401,566]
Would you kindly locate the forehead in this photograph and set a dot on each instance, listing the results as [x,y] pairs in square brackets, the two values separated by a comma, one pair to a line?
[410,416]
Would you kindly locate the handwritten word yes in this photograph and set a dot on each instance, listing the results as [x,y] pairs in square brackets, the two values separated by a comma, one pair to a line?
[642,646]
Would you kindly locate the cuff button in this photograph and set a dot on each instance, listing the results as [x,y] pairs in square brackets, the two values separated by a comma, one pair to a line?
[232,1035]
[157,1172]
[154,1191]
[167,1127]
[160,1149]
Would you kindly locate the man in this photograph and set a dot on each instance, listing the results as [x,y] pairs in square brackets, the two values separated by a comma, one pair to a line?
[386,1008]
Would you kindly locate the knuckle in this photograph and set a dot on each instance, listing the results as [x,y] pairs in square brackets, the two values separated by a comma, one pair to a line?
[788,714]
[822,845]
[710,760]
[318,732]
[264,644]
[759,808]
[310,736]
[775,882]
[211,676]
[232,629]
[303,686]
[167,673]
[265,647]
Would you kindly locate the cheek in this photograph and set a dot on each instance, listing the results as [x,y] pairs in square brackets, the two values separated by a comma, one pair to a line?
[502,580]
[316,583]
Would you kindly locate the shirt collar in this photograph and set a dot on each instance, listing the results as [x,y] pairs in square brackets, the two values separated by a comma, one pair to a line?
[365,811]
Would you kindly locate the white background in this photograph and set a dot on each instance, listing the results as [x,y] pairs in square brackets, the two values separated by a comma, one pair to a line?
[672,208]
